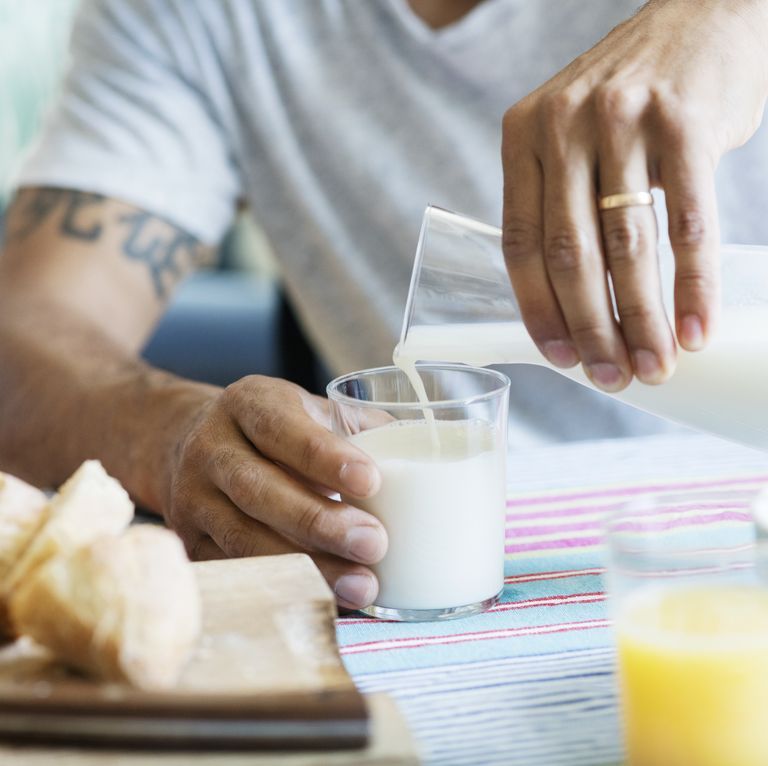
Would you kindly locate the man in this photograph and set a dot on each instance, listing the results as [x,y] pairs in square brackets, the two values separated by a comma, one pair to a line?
[337,122]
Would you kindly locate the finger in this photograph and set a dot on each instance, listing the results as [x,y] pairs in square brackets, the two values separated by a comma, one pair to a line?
[354,419]
[268,494]
[274,419]
[238,536]
[629,242]
[523,252]
[573,254]
[312,485]
[353,585]
[687,176]
[205,549]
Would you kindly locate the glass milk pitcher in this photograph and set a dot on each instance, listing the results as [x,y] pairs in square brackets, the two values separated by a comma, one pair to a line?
[461,308]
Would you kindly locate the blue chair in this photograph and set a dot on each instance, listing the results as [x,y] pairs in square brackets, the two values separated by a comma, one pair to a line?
[220,326]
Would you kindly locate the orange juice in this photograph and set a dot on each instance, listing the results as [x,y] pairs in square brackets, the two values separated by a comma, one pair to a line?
[693,664]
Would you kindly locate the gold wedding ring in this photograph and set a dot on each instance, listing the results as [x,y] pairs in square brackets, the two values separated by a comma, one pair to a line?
[626,199]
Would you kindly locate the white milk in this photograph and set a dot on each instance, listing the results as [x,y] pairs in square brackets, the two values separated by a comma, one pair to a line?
[722,390]
[409,368]
[444,514]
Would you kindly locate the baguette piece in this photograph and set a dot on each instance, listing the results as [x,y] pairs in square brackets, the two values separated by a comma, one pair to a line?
[23,510]
[88,505]
[119,609]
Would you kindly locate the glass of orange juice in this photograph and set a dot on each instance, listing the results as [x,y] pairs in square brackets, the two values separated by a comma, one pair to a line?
[689,599]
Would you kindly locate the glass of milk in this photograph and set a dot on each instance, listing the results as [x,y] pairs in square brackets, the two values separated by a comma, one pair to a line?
[686,574]
[442,457]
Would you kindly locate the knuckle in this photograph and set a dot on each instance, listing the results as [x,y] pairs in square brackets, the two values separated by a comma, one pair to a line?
[624,239]
[697,280]
[312,451]
[638,313]
[221,458]
[194,546]
[245,483]
[205,516]
[565,251]
[309,523]
[196,447]
[230,396]
[234,542]
[512,120]
[267,420]
[688,227]
[521,240]
[664,98]
[242,391]
[618,105]
[590,333]
[559,106]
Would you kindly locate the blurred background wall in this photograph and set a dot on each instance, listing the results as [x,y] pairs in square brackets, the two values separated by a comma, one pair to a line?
[33,43]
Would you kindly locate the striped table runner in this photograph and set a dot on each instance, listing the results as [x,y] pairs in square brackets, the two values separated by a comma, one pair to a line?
[531,682]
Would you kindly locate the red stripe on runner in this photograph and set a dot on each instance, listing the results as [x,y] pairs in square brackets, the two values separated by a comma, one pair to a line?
[634,490]
[479,635]
[549,601]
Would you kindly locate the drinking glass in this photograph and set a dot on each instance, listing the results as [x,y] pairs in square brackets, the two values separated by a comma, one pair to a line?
[686,577]
[443,489]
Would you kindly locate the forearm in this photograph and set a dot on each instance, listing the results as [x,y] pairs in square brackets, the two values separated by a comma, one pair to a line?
[70,393]
[83,280]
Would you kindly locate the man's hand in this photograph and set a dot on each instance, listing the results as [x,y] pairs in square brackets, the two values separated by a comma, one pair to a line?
[253,475]
[655,103]
[243,471]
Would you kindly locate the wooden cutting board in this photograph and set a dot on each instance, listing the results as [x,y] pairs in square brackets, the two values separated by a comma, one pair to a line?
[266,675]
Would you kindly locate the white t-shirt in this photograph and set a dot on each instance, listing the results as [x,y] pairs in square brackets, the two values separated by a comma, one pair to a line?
[337,121]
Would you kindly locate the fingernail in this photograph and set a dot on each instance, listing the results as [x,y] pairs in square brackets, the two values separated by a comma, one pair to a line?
[647,366]
[607,376]
[358,479]
[358,590]
[691,333]
[366,544]
[561,353]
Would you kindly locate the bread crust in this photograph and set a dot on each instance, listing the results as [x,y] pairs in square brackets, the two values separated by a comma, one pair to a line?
[23,511]
[89,504]
[119,609]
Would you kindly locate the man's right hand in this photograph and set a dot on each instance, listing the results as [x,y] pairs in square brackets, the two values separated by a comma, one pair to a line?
[253,475]
[243,471]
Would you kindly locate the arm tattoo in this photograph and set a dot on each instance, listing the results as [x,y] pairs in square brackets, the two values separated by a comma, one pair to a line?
[37,207]
[31,212]
[165,254]
[166,251]
[70,226]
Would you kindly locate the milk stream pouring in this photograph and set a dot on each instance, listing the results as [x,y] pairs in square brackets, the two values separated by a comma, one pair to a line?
[461,309]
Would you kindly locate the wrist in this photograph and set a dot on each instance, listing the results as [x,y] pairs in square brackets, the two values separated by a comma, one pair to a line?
[156,411]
